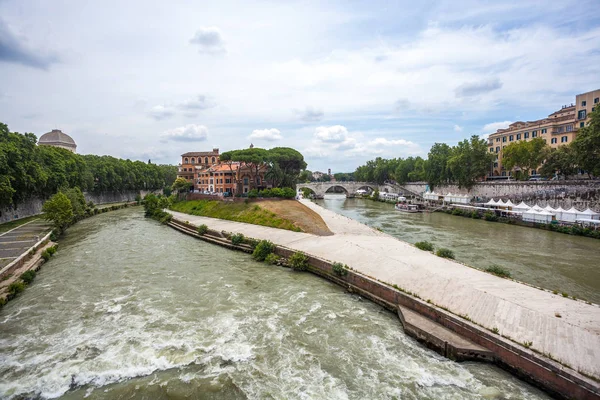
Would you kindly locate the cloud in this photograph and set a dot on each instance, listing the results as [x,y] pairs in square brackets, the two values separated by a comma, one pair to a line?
[209,40]
[266,134]
[201,102]
[476,88]
[311,114]
[347,144]
[161,112]
[331,134]
[13,49]
[387,142]
[316,152]
[494,126]
[188,133]
[458,128]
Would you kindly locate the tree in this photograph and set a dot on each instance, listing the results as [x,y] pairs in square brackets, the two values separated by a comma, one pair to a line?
[181,185]
[289,161]
[560,161]
[254,159]
[77,201]
[586,145]
[58,210]
[470,160]
[525,155]
[436,167]
[305,176]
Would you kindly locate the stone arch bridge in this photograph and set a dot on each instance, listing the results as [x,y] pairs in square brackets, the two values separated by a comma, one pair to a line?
[350,188]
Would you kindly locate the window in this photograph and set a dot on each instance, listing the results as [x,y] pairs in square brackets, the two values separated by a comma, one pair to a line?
[185,160]
[526,135]
[497,149]
[583,103]
[491,149]
[258,180]
[245,181]
[553,141]
[533,172]
[511,138]
[564,139]
[213,160]
[560,129]
[518,136]
[596,100]
[495,165]
[569,128]
[534,134]
[581,124]
[581,114]
[503,138]
[193,160]
[497,139]
[544,131]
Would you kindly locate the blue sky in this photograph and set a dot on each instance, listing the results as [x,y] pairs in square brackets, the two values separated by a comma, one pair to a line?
[343,82]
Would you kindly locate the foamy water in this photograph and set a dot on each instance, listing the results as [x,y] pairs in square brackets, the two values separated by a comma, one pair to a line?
[131,309]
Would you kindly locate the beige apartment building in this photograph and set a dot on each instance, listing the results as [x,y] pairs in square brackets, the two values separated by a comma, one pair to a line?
[557,129]
[193,162]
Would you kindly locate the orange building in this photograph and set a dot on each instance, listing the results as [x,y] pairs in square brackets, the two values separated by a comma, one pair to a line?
[193,162]
[558,129]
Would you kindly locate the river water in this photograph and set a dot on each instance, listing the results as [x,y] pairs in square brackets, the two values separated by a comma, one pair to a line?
[551,260]
[128,308]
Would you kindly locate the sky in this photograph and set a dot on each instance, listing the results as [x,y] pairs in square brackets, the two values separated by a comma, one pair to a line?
[343,82]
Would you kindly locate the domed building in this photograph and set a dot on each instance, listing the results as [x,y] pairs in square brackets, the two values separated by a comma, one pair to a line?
[57,138]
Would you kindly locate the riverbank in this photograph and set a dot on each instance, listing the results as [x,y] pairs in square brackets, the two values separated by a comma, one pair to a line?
[507,312]
[282,214]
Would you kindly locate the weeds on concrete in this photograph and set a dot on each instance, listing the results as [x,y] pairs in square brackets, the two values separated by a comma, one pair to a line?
[498,271]
[237,239]
[202,229]
[527,344]
[340,269]
[445,253]
[28,276]
[425,246]
[262,250]
[495,330]
[272,259]
[565,294]
[298,261]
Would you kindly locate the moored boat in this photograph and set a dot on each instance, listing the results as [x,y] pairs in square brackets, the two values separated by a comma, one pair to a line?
[405,207]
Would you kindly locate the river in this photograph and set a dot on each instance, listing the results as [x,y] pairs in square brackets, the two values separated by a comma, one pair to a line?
[555,261]
[128,308]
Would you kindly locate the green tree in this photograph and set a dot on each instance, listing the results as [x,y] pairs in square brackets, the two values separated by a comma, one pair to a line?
[77,201]
[470,160]
[560,161]
[305,176]
[436,168]
[586,145]
[288,163]
[58,210]
[524,155]
[181,185]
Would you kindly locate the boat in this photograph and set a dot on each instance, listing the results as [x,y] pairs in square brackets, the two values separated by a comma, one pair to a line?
[403,206]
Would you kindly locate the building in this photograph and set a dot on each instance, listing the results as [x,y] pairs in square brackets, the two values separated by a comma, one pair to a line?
[207,174]
[557,129]
[193,162]
[57,138]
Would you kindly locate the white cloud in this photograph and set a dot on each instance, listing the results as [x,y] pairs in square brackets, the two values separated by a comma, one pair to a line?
[188,133]
[494,126]
[347,144]
[393,142]
[311,114]
[315,152]
[458,128]
[266,134]
[476,88]
[161,112]
[332,134]
[209,40]
[200,102]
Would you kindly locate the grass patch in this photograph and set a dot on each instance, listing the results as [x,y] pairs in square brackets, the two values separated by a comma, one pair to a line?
[237,239]
[28,276]
[298,261]
[445,253]
[498,271]
[272,259]
[340,269]
[262,250]
[239,212]
[425,245]
[202,229]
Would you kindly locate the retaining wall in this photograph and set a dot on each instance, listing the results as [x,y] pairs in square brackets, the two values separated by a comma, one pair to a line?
[566,194]
[556,379]
[33,206]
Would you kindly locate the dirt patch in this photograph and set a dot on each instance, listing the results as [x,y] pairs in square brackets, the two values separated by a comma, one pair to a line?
[303,217]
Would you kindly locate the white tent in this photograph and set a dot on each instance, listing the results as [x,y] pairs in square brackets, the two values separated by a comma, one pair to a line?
[537,208]
[544,217]
[590,214]
[570,215]
[492,202]
[521,206]
[462,198]
[509,204]
[500,203]
[549,209]
[529,215]
[558,212]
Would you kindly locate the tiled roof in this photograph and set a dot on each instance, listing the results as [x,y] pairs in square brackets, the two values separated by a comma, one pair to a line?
[200,154]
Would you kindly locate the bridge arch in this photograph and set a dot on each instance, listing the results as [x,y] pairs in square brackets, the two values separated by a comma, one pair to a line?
[336,189]
[367,187]
[306,190]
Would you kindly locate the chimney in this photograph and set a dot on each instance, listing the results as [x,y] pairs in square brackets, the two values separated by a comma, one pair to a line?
[216,151]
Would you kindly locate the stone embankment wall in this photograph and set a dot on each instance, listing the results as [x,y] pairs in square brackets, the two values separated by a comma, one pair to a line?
[579,194]
[33,206]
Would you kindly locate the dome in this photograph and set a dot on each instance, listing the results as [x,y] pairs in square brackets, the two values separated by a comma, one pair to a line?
[58,138]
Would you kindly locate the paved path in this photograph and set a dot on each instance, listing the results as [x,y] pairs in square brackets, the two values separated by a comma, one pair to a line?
[521,312]
[18,240]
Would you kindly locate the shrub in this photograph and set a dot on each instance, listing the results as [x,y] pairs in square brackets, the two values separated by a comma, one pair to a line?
[272,259]
[445,253]
[237,239]
[54,235]
[202,229]
[253,194]
[251,242]
[262,250]
[340,269]
[474,214]
[425,245]
[456,211]
[15,288]
[265,193]
[28,276]
[298,261]
[2,301]
[289,193]
[498,271]
[52,249]
[46,255]
[490,216]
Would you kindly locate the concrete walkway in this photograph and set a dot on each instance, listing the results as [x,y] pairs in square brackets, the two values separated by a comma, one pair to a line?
[18,240]
[520,312]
